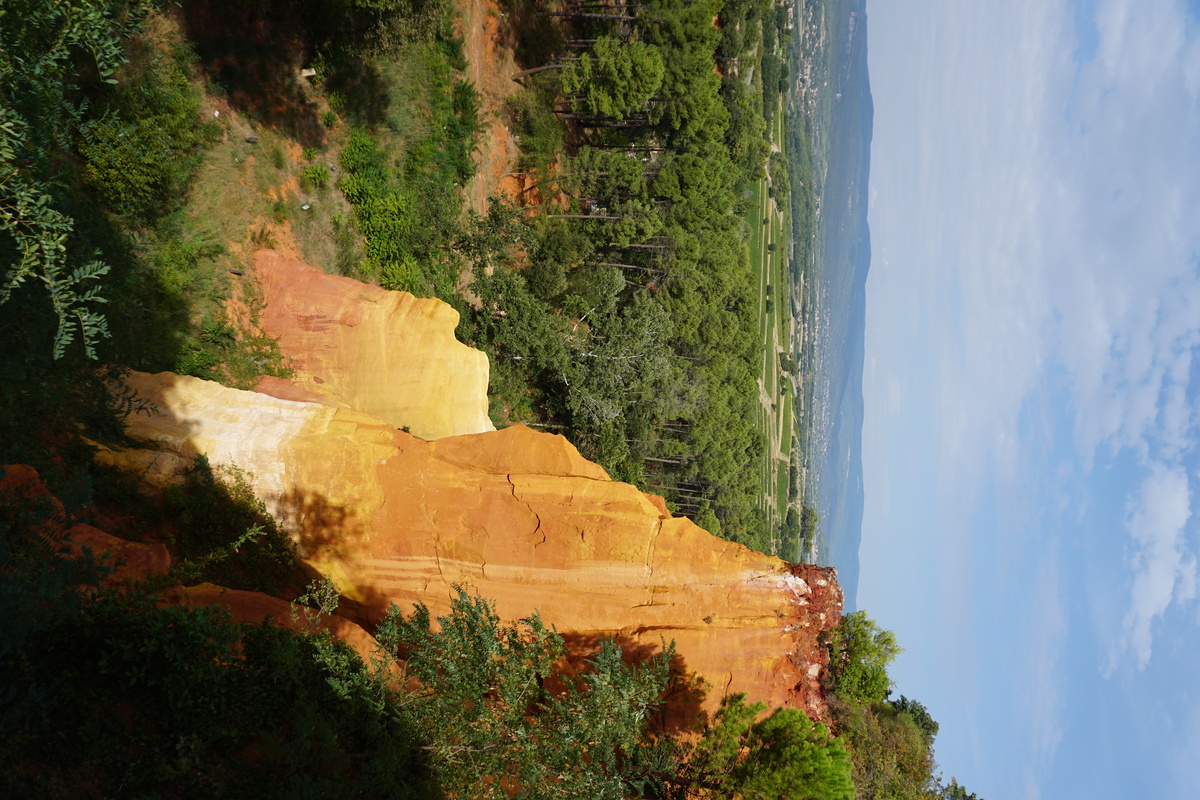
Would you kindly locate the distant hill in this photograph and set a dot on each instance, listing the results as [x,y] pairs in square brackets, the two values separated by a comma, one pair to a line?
[847,249]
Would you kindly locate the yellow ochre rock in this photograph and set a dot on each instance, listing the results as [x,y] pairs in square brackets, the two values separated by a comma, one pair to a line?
[389,354]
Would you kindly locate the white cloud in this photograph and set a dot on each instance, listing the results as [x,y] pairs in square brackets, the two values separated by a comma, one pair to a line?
[1128,233]
[1124,280]
[1164,571]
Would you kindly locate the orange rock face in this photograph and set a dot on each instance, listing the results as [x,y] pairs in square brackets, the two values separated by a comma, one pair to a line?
[389,354]
[516,515]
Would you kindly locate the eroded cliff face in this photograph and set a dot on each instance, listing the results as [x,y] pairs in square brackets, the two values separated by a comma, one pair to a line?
[389,354]
[517,515]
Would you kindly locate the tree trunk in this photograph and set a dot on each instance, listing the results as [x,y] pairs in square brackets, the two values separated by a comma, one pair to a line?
[527,72]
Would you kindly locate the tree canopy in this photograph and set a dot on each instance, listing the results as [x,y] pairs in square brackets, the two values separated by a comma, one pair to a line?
[861,654]
[46,47]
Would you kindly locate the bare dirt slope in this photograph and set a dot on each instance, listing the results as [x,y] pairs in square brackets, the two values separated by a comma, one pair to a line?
[490,67]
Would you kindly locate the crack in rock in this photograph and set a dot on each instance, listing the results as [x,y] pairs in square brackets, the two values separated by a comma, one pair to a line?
[538,528]
[650,561]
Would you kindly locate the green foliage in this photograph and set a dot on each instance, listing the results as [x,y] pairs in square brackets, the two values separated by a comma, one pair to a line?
[779,171]
[809,519]
[317,175]
[690,110]
[784,755]
[407,216]
[919,713]
[38,247]
[219,352]
[792,755]
[955,791]
[646,262]
[108,692]
[497,731]
[614,79]
[225,534]
[538,130]
[892,756]
[45,46]
[140,153]
[861,652]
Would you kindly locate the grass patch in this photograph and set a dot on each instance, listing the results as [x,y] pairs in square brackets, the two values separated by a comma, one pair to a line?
[781,496]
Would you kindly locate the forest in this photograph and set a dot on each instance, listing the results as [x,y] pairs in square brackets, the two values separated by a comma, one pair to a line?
[613,294]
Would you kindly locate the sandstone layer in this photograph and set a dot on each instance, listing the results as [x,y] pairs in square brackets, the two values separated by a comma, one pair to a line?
[388,354]
[516,515]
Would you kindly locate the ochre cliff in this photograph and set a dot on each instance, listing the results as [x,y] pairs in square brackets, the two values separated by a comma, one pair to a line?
[516,515]
[389,354]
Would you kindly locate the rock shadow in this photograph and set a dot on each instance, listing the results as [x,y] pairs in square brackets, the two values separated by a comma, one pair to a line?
[323,530]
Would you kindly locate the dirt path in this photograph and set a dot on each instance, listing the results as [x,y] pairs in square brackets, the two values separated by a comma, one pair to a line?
[490,67]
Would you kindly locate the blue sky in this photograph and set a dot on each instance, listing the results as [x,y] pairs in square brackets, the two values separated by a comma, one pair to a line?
[1031,440]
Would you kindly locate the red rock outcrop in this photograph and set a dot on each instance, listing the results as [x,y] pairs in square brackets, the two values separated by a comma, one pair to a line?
[256,608]
[389,354]
[516,515]
[20,486]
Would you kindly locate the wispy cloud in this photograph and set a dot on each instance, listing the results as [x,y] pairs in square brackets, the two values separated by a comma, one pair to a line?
[1044,634]
[1034,191]
[1164,571]
[1125,284]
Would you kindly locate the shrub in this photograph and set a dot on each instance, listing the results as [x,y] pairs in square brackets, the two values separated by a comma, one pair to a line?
[139,154]
[317,175]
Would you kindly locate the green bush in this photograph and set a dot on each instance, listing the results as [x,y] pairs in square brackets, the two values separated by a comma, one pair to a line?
[139,155]
[784,755]
[109,693]
[486,706]
[539,131]
[317,175]
[216,508]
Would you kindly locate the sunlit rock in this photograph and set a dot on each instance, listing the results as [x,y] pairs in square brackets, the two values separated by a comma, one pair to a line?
[389,354]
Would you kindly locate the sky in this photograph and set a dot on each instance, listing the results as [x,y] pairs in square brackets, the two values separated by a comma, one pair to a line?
[1031,440]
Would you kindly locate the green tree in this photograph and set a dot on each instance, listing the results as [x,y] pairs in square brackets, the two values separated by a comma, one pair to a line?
[784,755]
[792,756]
[495,727]
[893,758]
[919,713]
[615,79]
[955,791]
[861,654]
[45,47]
